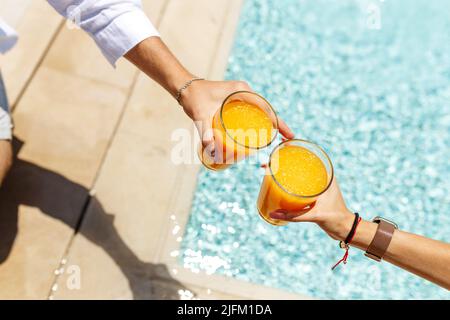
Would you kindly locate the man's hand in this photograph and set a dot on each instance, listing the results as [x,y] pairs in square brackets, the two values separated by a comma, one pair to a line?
[202,99]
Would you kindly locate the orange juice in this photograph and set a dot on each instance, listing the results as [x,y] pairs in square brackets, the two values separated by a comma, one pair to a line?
[245,123]
[297,174]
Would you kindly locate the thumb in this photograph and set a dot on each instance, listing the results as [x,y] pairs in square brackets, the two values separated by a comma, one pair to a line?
[206,133]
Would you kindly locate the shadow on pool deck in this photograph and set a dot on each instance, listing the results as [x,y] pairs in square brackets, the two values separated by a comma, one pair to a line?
[31,185]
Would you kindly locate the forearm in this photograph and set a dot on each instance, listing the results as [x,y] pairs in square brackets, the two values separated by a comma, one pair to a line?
[5,159]
[424,257]
[154,58]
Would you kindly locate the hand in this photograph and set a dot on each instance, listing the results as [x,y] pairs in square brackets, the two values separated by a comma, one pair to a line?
[329,212]
[203,98]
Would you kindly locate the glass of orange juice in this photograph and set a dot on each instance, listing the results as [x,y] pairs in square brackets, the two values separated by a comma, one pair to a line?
[245,123]
[298,172]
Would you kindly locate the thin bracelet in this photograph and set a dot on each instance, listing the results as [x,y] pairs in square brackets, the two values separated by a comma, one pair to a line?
[345,244]
[352,231]
[186,85]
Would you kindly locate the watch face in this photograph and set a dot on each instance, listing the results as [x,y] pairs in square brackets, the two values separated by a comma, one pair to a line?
[378,219]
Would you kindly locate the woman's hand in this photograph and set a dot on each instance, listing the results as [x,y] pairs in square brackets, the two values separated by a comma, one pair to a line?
[329,212]
[203,98]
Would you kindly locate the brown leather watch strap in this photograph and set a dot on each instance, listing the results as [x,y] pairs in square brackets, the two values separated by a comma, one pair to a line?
[381,240]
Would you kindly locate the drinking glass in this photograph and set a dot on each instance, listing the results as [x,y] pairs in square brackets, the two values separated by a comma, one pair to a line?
[274,196]
[233,144]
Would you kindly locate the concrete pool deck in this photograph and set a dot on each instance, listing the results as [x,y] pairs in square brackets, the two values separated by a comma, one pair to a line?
[93,190]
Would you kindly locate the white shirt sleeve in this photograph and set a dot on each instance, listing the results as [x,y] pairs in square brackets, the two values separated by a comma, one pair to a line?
[115,25]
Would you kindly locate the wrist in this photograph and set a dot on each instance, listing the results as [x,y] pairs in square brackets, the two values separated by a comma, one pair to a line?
[177,81]
[154,58]
[364,234]
[344,225]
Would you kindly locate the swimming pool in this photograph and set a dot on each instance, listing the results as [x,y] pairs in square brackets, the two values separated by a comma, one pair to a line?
[375,93]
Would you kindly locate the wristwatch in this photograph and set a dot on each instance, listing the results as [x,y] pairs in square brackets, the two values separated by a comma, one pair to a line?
[382,238]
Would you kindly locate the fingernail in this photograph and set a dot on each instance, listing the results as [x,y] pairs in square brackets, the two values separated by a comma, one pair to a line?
[210,149]
[277,215]
[281,213]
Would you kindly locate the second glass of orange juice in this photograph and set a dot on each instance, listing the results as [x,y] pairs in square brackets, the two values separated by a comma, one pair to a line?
[245,123]
[298,172]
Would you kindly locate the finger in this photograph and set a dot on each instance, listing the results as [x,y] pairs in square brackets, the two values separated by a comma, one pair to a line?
[291,217]
[303,215]
[282,215]
[206,133]
[285,130]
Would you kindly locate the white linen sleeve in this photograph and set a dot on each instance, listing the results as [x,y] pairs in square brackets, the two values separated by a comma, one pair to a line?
[115,25]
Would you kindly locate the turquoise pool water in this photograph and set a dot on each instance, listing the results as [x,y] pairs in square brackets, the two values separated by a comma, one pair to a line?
[378,100]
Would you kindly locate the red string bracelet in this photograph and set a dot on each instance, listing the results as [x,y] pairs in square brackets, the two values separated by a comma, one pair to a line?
[345,244]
